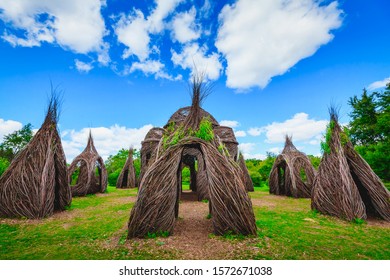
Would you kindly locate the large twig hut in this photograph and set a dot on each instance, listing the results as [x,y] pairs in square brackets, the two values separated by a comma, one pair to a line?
[189,139]
[292,173]
[345,185]
[127,178]
[35,185]
[90,171]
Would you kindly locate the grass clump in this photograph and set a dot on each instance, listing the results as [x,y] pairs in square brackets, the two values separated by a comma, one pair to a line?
[154,235]
[205,130]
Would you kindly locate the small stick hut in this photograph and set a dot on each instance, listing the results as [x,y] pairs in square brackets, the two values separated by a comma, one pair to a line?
[345,185]
[127,178]
[292,173]
[36,185]
[245,173]
[189,139]
[92,173]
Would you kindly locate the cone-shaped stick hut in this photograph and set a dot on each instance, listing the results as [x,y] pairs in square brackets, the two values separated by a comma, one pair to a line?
[292,173]
[189,139]
[245,174]
[35,185]
[127,178]
[345,185]
[92,173]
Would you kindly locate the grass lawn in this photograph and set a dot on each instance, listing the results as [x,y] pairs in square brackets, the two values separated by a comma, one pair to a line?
[95,228]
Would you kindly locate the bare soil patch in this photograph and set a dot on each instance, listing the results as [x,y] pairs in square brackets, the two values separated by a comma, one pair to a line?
[192,238]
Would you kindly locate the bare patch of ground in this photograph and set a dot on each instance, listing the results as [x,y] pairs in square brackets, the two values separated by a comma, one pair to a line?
[192,238]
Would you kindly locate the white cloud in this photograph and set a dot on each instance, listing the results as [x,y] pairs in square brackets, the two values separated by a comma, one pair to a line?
[83,67]
[195,58]
[184,28]
[7,127]
[162,10]
[206,9]
[151,67]
[247,148]
[379,84]
[261,39]
[108,141]
[240,133]
[299,126]
[255,131]
[228,123]
[275,150]
[134,30]
[75,25]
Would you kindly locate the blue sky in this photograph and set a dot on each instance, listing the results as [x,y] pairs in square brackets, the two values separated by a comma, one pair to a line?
[123,66]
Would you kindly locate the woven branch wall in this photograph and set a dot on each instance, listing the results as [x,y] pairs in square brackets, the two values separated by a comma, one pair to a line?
[285,176]
[127,177]
[35,184]
[156,207]
[88,162]
[345,185]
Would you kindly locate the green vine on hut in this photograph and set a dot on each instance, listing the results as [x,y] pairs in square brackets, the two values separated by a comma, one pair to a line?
[173,134]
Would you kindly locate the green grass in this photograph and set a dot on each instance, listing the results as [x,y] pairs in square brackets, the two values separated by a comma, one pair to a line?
[185,186]
[94,227]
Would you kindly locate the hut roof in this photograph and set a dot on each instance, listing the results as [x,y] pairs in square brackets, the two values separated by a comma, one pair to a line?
[35,184]
[180,115]
[345,185]
[87,162]
[287,172]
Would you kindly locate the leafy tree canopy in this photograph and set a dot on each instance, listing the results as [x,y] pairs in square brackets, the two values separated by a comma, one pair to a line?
[15,142]
[369,129]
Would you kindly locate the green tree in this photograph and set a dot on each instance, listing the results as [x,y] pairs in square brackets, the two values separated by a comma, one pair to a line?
[259,170]
[4,163]
[363,126]
[315,161]
[369,129]
[15,142]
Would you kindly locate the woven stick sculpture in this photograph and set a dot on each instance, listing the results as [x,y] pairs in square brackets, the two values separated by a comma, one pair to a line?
[127,178]
[245,174]
[92,177]
[287,172]
[345,185]
[156,208]
[218,177]
[35,185]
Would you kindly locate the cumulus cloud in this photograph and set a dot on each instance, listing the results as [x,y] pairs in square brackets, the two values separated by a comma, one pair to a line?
[134,30]
[184,27]
[275,150]
[195,58]
[75,25]
[240,133]
[247,148]
[7,127]
[300,126]
[108,140]
[83,67]
[151,67]
[228,123]
[379,84]
[261,39]
[255,131]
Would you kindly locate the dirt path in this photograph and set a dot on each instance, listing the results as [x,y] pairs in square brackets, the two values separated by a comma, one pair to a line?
[191,237]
